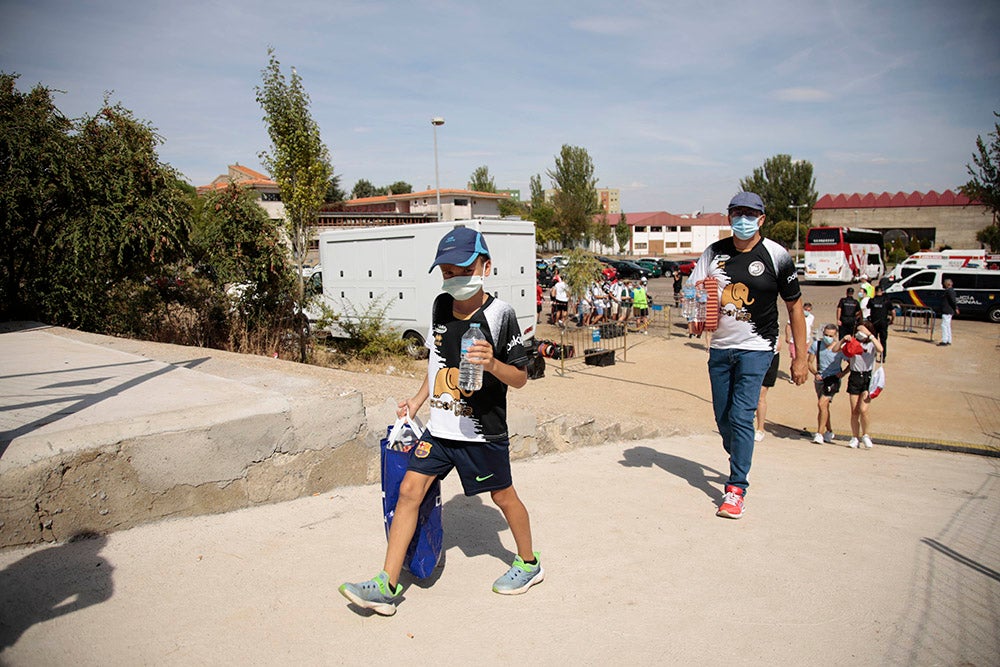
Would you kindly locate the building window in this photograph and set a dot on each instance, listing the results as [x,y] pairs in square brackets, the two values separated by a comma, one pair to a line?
[640,246]
[685,244]
[656,229]
[270,196]
[461,202]
[686,228]
[640,228]
[314,244]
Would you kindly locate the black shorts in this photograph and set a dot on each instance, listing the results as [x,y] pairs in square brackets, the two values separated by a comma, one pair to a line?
[560,306]
[641,312]
[772,373]
[482,466]
[828,386]
[858,382]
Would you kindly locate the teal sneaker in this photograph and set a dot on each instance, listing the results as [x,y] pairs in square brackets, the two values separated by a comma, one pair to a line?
[373,594]
[520,577]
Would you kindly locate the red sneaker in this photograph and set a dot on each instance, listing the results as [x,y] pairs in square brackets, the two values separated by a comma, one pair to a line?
[732,504]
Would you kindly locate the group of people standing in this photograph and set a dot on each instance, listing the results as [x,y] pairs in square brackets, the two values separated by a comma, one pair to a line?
[606,299]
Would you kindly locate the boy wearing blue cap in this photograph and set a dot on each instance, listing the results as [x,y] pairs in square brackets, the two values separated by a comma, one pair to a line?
[467,430]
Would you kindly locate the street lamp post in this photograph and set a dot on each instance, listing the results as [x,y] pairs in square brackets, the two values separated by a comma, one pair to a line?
[797,207]
[437,120]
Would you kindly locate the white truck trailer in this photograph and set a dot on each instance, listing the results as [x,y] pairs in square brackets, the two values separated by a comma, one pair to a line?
[359,266]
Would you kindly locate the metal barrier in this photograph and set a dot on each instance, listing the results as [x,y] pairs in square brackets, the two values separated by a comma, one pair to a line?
[925,315]
[569,349]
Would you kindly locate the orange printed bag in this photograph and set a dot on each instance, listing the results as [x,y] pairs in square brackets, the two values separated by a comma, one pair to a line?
[712,305]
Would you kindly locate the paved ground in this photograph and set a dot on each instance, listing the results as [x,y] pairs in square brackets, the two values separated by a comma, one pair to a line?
[884,557]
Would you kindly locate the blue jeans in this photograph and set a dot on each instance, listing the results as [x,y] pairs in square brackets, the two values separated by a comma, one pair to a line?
[736,376]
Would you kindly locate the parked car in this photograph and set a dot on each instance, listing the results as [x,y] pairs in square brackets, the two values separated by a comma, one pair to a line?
[654,267]
[686,266]
[629,270]
[667,265]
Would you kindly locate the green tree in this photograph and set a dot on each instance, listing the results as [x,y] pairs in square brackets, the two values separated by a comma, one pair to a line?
[541,213]
[783,182]
[576,193]
[235,237]
[397,188]
[298,161]
[128,224]
[623,233]
[334,193]
[783,232]
[37,172]
[602,232]
[364,188]
[984,186]
[536,189]
[580,271]
[481,181]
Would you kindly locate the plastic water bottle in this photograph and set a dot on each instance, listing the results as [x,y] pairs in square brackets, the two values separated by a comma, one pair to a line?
[470,375]
[595,335]
[701,295]
[688,306]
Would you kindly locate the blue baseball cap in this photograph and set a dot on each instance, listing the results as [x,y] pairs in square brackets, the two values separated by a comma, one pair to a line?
[460,247]
[747,200]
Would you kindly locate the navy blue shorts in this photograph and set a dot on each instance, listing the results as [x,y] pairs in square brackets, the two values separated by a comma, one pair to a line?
[482,466]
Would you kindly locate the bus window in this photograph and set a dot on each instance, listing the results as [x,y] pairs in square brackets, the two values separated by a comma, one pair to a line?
[824,236]
[906,273]
[921,279]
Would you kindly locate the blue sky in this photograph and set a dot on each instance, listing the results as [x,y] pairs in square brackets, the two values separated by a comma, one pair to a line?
[674,101]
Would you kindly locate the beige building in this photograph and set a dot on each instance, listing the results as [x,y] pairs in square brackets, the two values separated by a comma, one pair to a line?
[945,219]
[660,233]
[455,204]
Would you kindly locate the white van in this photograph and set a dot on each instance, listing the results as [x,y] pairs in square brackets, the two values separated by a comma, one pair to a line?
[359,266]
[978,291]
[944,259]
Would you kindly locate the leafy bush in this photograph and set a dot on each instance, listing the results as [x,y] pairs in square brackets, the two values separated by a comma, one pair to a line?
[369,336]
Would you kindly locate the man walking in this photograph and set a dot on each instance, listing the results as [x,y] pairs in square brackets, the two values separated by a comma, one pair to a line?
[949,308]
[751,272]
[848,314]
[881,316]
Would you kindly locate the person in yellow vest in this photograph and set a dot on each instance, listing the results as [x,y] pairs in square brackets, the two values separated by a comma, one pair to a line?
[640,304]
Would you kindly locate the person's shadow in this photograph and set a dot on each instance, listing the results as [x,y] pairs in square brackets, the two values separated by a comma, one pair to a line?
[53,582]
[708,480]
[474,527]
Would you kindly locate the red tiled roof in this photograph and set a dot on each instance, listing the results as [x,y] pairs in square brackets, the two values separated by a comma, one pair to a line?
[897,200]
[246,176]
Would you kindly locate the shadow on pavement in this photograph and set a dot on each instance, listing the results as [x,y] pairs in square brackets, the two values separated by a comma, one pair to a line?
[708,480]
[53,582]
[474,526]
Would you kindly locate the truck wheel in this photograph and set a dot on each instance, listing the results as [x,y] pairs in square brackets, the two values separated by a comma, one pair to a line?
[994,314]
[415,345]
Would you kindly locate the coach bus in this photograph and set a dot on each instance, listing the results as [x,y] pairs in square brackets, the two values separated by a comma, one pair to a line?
[843,254]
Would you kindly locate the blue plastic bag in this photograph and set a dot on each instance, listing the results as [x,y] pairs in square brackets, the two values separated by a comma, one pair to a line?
[424,552]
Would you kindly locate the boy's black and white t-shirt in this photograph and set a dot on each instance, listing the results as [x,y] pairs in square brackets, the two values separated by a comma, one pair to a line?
[479,416]
[749,284]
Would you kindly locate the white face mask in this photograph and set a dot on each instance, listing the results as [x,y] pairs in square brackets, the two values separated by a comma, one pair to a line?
[462,288]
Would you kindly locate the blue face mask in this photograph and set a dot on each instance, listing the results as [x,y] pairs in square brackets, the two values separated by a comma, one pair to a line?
[745,226]
[828,340]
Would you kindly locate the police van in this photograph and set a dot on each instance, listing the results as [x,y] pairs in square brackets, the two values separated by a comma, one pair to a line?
[978,291]
[944,259]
